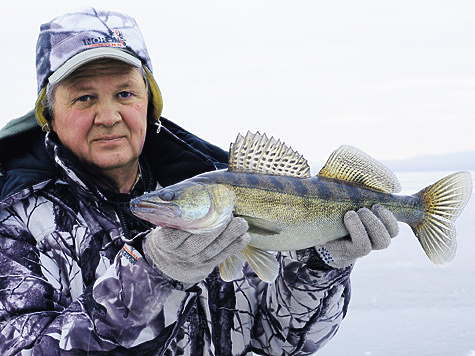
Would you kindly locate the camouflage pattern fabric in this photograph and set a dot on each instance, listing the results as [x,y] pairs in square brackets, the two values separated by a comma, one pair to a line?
[69,286]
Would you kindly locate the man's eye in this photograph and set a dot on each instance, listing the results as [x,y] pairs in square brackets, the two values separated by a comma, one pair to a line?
[84,98]
[125,94]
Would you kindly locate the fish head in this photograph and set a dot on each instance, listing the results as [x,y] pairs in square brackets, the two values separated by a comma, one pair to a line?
[190,206]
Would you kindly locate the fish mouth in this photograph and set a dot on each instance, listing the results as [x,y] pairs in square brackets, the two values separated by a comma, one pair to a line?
[159,214]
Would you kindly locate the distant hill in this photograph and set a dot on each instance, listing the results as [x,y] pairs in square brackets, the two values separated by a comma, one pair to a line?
[461,161]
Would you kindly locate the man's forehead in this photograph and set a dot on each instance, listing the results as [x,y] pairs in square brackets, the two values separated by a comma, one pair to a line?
[88,75]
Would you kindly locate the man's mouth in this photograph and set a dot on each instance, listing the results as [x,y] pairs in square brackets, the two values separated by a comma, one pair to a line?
[108,138]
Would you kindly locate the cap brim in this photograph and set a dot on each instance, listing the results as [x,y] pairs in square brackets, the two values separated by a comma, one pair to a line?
[89,55]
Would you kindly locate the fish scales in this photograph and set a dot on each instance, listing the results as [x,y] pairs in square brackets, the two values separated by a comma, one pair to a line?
[303,212]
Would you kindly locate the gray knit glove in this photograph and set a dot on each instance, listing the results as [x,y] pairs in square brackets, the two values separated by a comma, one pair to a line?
[369,230]
[190,258]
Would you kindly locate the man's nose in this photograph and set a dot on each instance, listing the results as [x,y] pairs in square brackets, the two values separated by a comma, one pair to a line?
[107,114]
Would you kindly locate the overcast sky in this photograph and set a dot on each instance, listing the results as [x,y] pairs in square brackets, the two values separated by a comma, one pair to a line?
[394,78]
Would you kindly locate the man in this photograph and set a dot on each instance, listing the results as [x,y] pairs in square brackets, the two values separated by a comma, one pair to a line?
[70,285]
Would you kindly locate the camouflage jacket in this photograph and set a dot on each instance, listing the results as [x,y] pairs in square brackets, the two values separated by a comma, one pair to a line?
[69,286]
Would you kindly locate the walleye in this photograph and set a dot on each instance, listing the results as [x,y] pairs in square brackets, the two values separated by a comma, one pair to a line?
[269,185]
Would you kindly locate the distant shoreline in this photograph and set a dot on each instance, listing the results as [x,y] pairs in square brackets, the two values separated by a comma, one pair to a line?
[462,161]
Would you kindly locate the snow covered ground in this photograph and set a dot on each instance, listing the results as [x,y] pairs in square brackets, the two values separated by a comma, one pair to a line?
[403,304]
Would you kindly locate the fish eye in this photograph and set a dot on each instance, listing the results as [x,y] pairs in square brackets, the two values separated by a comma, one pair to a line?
[167,195]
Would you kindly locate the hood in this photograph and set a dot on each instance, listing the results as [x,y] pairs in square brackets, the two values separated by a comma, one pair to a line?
[24,161]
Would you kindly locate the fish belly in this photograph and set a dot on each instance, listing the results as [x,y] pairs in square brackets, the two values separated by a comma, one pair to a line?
[298,238]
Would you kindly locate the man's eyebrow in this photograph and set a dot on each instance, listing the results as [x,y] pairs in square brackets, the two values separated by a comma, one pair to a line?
[124,85]
[80,87]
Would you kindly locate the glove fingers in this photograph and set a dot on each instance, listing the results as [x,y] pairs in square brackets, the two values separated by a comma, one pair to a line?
[360,243]
[231,248]
[237,226]
[376,230]
[387,218]
[233,236]
[178,267]
[195,244]
[189,258]
[216,240]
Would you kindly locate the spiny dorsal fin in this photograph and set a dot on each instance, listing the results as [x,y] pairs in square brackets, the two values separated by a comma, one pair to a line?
[255,153]
[353,165]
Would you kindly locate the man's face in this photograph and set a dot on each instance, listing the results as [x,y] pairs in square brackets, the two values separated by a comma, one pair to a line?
[100,114]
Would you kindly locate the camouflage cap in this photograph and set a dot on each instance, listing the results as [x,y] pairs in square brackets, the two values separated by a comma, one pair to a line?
[71,40]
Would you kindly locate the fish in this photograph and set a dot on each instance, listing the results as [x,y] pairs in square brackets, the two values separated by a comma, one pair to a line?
[287,209]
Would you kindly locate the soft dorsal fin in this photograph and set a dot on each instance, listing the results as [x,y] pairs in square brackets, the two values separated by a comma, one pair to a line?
[255,153]
[353,165]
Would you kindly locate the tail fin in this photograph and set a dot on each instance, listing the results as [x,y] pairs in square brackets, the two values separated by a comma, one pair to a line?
[443,202]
